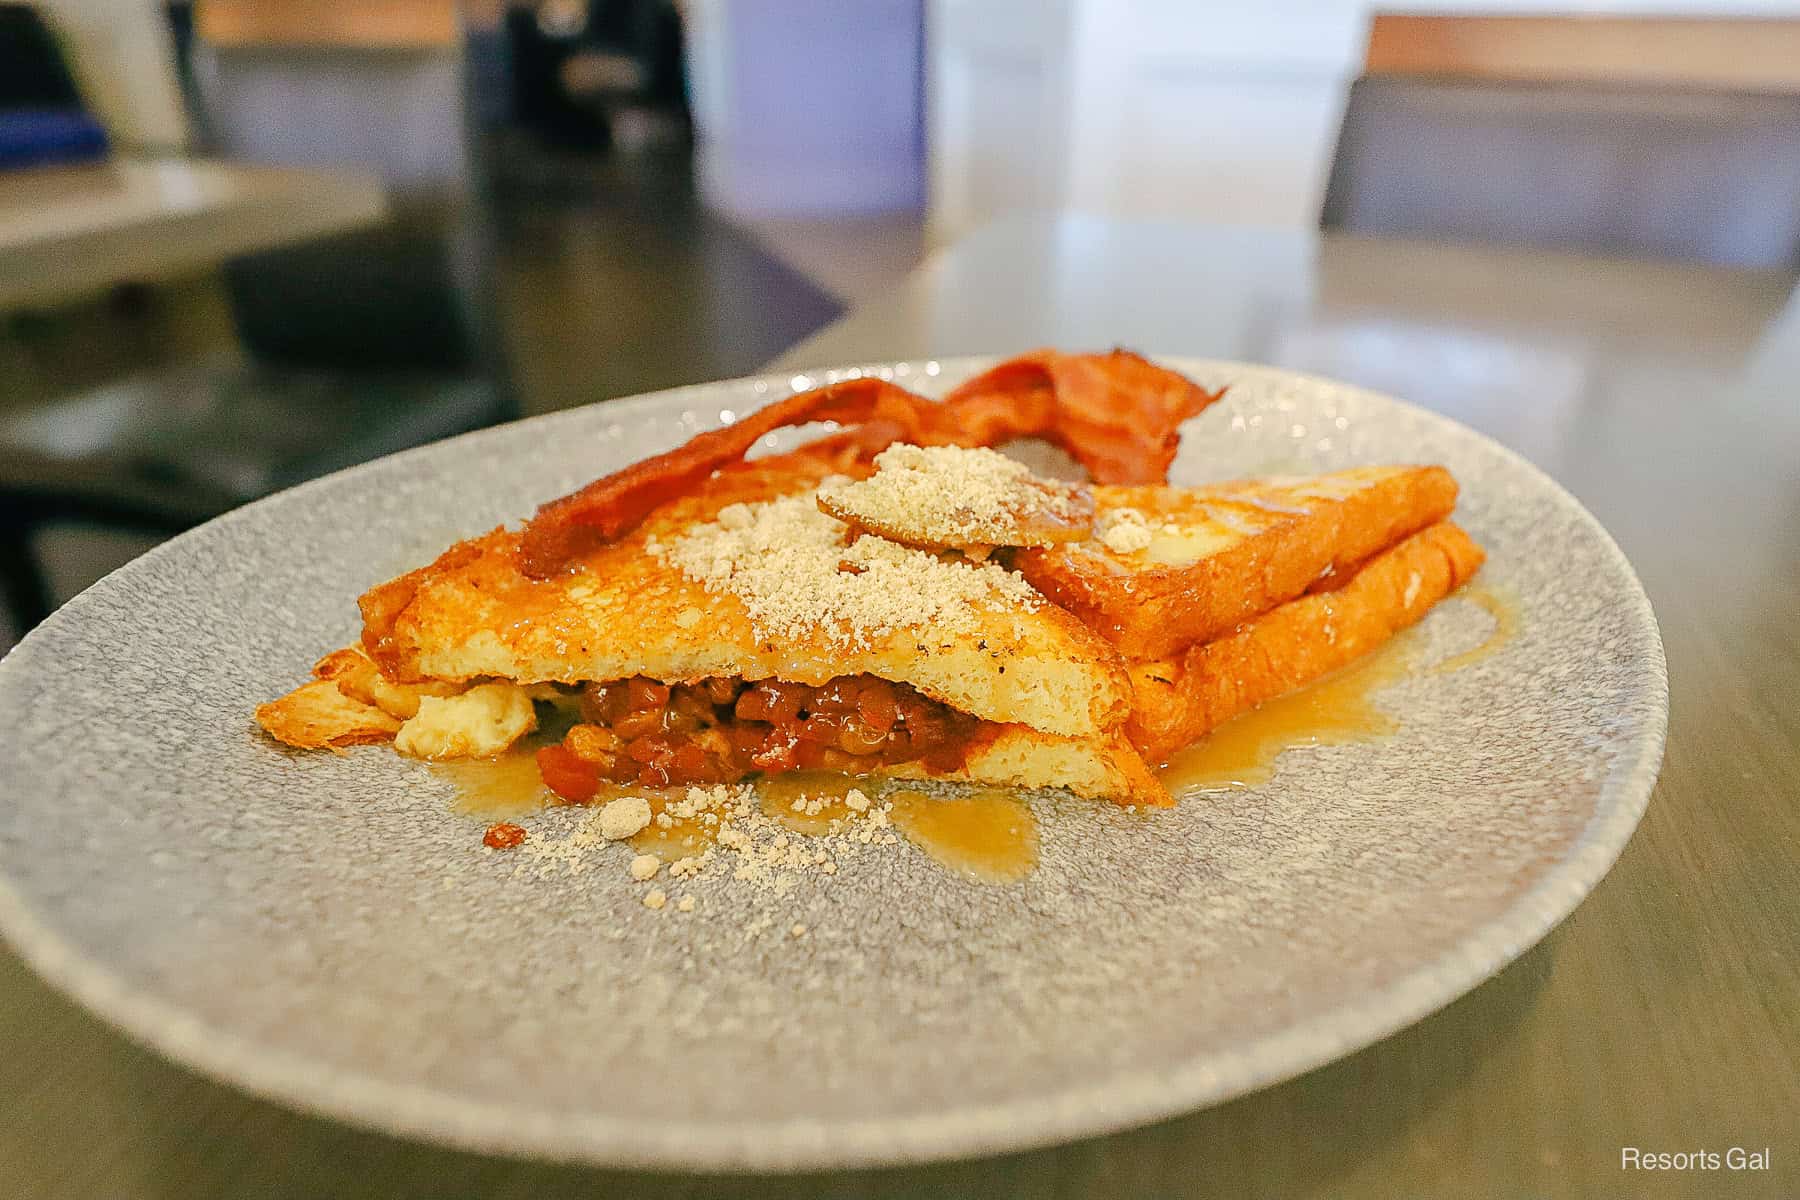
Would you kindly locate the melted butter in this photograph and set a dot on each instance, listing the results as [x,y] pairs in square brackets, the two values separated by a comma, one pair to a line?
[1192,540]
[989,835]
[1341,486]
[507,785]
[1498,603]
[1334,711]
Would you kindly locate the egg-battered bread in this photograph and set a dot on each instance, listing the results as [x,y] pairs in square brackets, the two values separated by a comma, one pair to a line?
[999,653]
[757,623]
[1179,700]
[318,715]
[1171,567]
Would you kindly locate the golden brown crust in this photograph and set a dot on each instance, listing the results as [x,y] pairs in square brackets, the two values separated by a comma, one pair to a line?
[317,715]
[357,677]
[1179,700]
[1095,769]
[383,604]
[352,671]
[1275,539]
[629,612]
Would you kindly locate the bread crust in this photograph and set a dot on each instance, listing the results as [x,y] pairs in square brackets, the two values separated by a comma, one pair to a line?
[627,611]
[1261,543]
[1180,699]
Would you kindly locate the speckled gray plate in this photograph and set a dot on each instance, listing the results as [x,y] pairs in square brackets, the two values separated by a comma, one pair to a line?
[323,930]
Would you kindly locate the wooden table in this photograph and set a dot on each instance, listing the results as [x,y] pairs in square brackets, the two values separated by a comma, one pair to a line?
[1664,1014]
[69,230]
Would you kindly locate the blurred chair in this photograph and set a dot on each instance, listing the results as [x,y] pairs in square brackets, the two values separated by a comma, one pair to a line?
[354,346]
[1712,176]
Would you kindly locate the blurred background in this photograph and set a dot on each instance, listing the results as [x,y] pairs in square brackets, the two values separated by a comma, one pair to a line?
[246,242]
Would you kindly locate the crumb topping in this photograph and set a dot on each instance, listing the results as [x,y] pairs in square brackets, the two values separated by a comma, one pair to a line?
[753,847]
[801,574]
[621,818]
[1123,530]
[955,496]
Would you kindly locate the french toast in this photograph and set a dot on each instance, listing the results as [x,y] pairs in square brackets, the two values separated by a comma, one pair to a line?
[993,649]
[1178,700]
[893,599]
[991,684]
[1170,567]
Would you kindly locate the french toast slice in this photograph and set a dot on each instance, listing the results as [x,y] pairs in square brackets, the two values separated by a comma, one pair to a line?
[1171,567]
[1107,768]
[327,713]
[991,648]
[1178,700]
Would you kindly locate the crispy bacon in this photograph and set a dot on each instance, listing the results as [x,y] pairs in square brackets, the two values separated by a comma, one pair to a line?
[613,506]
[1117,414]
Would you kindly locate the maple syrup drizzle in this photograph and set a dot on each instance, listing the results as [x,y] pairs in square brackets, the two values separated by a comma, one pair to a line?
[827,789]
[1501,604]
[987,835]
[1334,711]
[688,836]
[683,837]
[507,785]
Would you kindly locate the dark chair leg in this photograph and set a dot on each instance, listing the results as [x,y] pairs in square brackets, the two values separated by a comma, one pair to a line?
[22,584]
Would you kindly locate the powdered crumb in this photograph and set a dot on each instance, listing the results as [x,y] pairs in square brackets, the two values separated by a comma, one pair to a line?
[752,847]
[782,559]
[623,817]
[799,929]
[955,496]
[1123,530]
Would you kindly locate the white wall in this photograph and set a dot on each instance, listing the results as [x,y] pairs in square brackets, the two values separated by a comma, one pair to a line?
[999,86]
[1196,109]
[1148,108]
[807,107]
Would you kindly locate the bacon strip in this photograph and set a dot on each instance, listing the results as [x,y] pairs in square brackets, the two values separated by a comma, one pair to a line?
[613,506]
[1117,414]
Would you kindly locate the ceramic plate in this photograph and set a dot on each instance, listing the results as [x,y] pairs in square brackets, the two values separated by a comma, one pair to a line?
[323,929]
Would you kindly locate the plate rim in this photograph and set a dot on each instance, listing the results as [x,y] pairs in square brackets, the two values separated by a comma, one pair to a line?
[1118,1101]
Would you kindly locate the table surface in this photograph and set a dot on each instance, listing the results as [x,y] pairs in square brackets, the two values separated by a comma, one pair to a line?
[69,230]
[1662,1014]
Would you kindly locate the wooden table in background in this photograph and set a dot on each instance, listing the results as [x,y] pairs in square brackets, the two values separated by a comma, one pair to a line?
[1664,1014]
